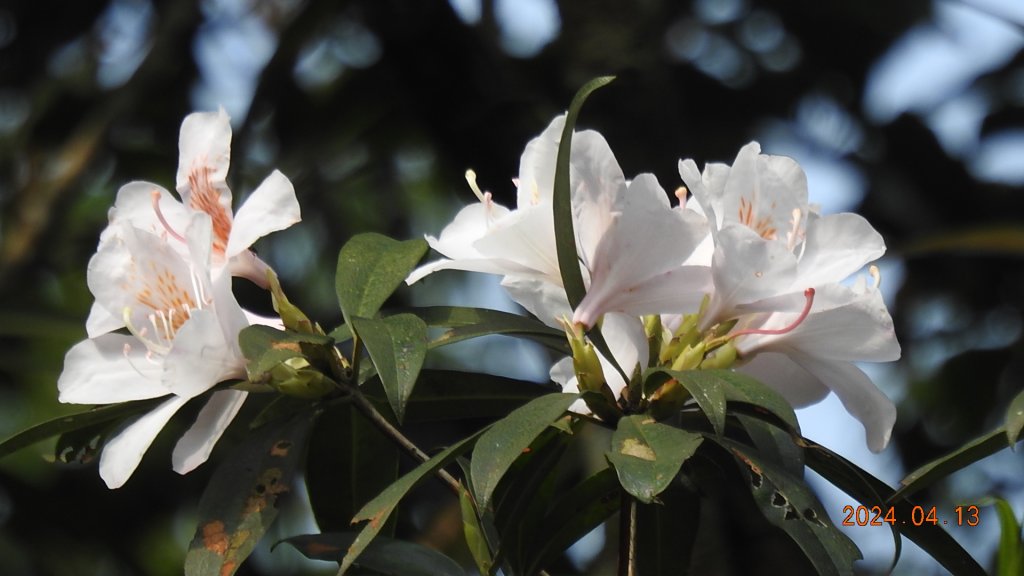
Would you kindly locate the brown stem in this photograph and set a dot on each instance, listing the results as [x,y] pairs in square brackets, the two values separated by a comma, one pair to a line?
[627,536]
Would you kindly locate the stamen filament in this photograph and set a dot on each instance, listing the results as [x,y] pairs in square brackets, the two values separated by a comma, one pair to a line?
[809,294]
[155,195]
[471,180]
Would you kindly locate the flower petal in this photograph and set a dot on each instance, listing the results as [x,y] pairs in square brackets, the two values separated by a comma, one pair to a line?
[536,182]
[747,268]
[134,205]
[798,386]
[564,373]
[101,321]
[122,453]
[546,301]
[200,357]
[204,143]
[271,207]
[628,343]
[195,445]
[859,395]
[837,246]
[109,368]
[598,190]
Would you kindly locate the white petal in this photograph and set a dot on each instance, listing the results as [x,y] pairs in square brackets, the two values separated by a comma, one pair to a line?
[546,301]
[204,141]
[798,386]
[101,321]
[232,318]
[134,205]
[201,357]
[122,454]
[527,238]
[598,190]
[837,246]
[676,291]
[747,268]
[859,396]
[102,370]
[195,445]
[628,344]
[564,373]
[536,180]
[271,207]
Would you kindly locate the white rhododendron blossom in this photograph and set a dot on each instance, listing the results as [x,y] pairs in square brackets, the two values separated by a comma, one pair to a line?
[631,243]
[777,266]
[205,151]
[183,339]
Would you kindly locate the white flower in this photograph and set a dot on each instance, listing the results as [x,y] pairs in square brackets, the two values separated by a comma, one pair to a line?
[205,149]
[184,328]
[631,243]
[776,267]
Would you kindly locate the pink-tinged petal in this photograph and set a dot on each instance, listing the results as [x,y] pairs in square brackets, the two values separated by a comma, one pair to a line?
[798,386]
[107,369]
[747,268]
[271,207]
[680,290]
[546,301]
[195,445]
[101,321]
[201,357]
[165,218]
[859,395]
[536,181]
[837,246]
[598,190]
[249,266]
[122,453]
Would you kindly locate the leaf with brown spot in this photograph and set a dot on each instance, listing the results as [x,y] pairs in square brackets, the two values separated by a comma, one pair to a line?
[240,502]
[647,455]
[383,556]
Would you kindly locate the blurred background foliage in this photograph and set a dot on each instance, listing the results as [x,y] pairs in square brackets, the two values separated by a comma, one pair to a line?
[911,113]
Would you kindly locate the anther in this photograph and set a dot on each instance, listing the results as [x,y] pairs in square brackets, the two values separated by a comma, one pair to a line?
[681,195]
[809,294]
[155,195]
[471,180]
[876,274]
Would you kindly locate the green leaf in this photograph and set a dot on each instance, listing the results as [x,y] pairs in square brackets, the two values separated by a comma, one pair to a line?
[666,532]
[507,439]
[943,466]
[582,509]
[397,346]
[370,267]
[383,555]
[240,502]
[442,395]
[348,461]
[710,387]
[72,422]
[647,455]
[265,347]
[871,491]
[378,510]
[565,236]
[994,240]
[474,533]
[464,323]
[1015,418]
[775,444]
[787,502]
[1010,554]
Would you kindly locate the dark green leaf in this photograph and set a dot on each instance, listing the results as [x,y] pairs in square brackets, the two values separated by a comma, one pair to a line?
[710,386]
[584,508]
[787,502]
[871,491]
[939,468]
[565,236]
[1010,554]
[667,531]
[83,445]
[349,460]
[265,347]
[397,346]
[449,395]
[384,555]
[464,323]
[647,455]
[370,267]
[474,534]
[775,444]
[378,510]
[71,422]
[507,439]
[1015,418]
[240,502]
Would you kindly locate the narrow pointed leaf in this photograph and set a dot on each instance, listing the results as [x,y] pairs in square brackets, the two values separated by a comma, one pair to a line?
[565,237]
[72,422]
[647,455]
[397,346]
[1015,418]
[1010,554]
[506,440]
[968,454]
[378,510]
[370,268]
[474,534]
[464,323]
[240,502]
[871,491]
[384,555]
[787,502]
